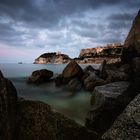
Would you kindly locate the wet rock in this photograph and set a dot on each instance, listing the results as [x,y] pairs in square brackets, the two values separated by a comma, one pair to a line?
[107,102]
[92,81]
[74,85]
[8,100]
[115,75]
[127,125]
[126,68]
[33,120]
[102,69]
[37,121]
[61,81]
[40,76]
[72,70]
[89,69]
[136,67]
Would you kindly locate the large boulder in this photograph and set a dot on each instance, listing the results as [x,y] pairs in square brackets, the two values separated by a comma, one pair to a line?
[72,70]
[37,121]
[116,75]
[131,47]
[8,100]
[89,69]
[136,67]
[102,69]
[127,125]
[61,81]
[74,85]
[107,102]
[92,81]
[40,76]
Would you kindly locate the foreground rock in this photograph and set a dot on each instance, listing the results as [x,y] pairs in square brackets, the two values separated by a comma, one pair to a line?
[131,47]
[33,120]
[127,125]
[107,102]
[37,121]
[8,100]
[40,76]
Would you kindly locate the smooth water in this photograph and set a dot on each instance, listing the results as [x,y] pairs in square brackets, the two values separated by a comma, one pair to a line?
[74,107]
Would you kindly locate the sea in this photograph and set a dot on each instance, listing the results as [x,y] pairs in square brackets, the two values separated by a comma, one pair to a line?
[73,105]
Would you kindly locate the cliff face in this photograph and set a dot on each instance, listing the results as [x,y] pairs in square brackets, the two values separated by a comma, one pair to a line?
[111,52]
[132,43]
[54,58]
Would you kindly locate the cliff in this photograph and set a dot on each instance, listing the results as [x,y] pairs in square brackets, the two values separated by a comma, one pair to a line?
[131,47]
[111,53]
[54,58]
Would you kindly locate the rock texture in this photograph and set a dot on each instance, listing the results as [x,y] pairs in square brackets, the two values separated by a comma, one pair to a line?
[32,120]
[107,102]
[71,71]
[54,58]
[37,121]
[8,99]
[111,53]
[40,76]
[131,47]
[127,125]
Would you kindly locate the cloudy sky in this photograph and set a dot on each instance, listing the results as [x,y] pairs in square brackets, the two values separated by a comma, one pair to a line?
[29,28]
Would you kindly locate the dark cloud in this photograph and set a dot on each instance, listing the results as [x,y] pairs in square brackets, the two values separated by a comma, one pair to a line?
[49,12]
[119,25]
[66,25]
[122,16]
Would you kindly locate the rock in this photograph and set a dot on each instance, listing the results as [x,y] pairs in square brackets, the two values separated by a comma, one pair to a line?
[91,85]
[102,69]
[61,81]
[52,58]
[72,70]
[136,67]
[8,100]
[127,125]
[126,68]
[92,81]
[40,76]
[1,75]
[33,120]
[115,75]
[74,85]
[37,121]
[89,69]
[107,102]
[131,47]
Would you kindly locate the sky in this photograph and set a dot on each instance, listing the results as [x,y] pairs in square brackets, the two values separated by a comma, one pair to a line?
[29,28]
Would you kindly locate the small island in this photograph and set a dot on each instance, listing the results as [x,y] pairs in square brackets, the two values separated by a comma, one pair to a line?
[52,58]
[111,53]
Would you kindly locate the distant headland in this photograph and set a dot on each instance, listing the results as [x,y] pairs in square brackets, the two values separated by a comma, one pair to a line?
[110,52]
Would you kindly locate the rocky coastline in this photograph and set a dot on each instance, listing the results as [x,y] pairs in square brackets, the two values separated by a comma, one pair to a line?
[111,53]
[52,58]
[115,101]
